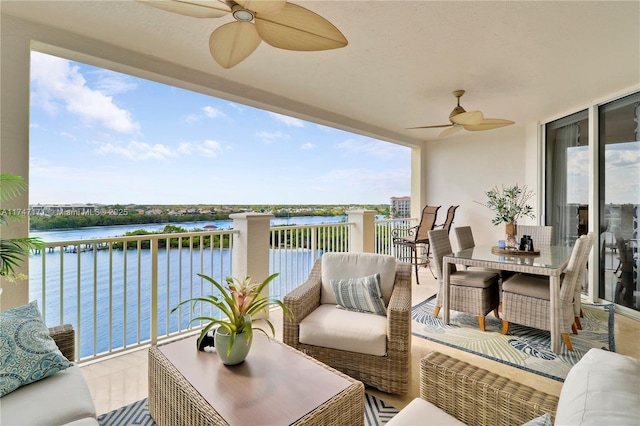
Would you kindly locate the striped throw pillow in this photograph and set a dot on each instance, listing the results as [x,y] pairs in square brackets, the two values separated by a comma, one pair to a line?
[361,294]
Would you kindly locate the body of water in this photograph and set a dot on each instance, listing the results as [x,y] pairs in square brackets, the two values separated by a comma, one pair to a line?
[116,284]
[95,232]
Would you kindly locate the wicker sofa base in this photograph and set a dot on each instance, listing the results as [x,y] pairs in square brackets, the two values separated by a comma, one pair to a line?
[478,397]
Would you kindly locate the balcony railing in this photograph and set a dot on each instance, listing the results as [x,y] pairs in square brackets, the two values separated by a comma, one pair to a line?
[118,292]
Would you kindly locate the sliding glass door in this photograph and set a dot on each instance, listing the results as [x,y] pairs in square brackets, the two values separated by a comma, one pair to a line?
[567,177]
[619,189]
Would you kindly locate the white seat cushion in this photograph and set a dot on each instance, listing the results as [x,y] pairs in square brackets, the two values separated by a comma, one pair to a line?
[59,399]
[356,265]
[422,412]
[330,327]
[603,388]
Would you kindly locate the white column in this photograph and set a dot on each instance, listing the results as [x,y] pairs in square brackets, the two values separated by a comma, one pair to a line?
[363,233]
[419,180]
[14,147]
[251,247]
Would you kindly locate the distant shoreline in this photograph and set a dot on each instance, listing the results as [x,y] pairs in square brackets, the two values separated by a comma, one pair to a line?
[75,217]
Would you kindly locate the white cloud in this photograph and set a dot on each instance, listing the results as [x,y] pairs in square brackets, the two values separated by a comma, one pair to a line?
[139,151]
[69,135]
[371,147]
[393,181]
[112,83]
[192,118]
[269,137]
[212,112]
[56,82]
[210,148]
[307,145]
[288,121]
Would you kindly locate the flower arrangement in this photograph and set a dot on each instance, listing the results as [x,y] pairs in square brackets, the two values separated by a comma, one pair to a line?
[238,301]
[509,203]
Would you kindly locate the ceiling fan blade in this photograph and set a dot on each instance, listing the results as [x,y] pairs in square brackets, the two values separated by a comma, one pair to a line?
[263,6]
[193,8]
[232,43]
[430,127]
[467,118]
[455,128]
[297,28]
[488,124]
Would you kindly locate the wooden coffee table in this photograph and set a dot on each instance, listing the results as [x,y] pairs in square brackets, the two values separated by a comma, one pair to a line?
[275,385]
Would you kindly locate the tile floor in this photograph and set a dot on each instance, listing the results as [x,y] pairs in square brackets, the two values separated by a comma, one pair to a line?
[122,380]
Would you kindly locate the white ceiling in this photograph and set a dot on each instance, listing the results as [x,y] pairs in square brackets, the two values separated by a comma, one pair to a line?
[522,60]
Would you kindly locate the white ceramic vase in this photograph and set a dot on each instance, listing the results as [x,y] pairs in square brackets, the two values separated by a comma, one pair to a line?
[238,352]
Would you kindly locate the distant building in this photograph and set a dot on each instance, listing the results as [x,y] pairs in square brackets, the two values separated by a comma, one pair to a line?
[400,207]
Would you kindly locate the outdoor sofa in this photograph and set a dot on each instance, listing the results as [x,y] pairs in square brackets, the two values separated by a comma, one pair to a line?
[61,399]
[601,389]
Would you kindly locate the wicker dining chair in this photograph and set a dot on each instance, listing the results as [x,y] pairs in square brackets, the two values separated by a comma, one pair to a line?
[416,238]
[526,298]
[344,339]
[472,291]
[541,235]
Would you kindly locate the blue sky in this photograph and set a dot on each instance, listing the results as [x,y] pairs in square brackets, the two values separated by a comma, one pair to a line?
[102,137]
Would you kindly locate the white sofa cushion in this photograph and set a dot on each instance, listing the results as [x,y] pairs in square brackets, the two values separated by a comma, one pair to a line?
[422,412]
[603,388]
[330,327]
[356,265]
[57,400]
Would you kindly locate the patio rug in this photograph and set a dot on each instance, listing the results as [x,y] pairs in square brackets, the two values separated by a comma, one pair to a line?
[524,347]
[376,412]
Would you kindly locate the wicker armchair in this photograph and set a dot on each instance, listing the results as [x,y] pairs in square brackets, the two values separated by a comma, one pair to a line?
[526,299]
[389,372]
[472,291]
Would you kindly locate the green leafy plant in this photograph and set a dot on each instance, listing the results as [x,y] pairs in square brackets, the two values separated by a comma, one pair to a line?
[13,251]
[238,301]
[509,203]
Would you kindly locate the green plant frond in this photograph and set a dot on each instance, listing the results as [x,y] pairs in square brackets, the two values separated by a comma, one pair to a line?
[226,326]
[14,250]
[204,299]
[265,282]
[11,186]
[271,327]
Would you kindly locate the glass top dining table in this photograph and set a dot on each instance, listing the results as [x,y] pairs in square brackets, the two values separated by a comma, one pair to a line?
[550,261]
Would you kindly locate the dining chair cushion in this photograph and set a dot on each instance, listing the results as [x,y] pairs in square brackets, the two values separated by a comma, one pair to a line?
[329,327]
[360,294]
[473,278]
[355,265]
[528,285]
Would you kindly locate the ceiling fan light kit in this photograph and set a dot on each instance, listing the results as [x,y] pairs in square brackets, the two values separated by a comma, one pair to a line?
[276,22]
[468,120]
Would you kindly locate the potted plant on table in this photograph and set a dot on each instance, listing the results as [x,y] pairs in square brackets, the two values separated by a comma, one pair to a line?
[238,302]
[509,204]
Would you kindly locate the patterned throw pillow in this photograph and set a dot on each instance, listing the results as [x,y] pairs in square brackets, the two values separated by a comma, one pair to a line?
[543,420]
[27,352]
[360,294]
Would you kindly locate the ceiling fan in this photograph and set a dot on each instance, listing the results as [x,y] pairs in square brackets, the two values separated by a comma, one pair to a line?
[278,23]
[468,120]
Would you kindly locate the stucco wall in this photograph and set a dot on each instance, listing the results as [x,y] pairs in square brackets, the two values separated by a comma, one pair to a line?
[462,168]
